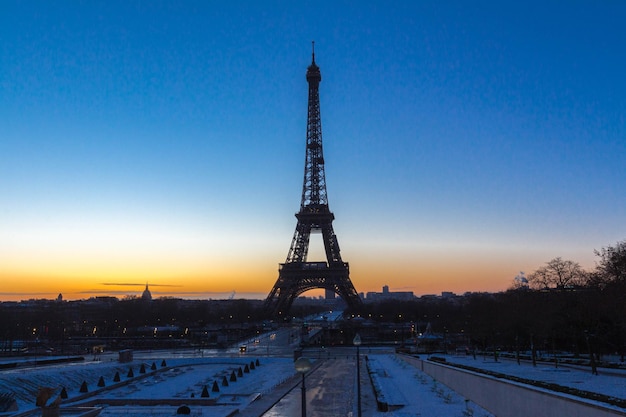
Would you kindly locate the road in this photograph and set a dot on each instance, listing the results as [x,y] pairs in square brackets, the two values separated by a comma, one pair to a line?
[330,391]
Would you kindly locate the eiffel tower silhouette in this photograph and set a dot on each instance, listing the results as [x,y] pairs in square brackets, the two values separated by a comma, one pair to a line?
[296,275]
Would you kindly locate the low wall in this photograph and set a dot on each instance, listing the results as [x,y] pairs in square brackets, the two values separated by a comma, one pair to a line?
[40,362]
[507,398]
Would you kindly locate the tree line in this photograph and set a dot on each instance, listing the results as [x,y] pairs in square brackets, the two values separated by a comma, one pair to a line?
[559,306]
[560,273]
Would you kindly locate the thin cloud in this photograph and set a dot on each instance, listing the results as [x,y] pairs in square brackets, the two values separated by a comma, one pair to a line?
[130,284]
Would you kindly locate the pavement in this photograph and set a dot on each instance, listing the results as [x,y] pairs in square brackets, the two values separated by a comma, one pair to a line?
[330,387]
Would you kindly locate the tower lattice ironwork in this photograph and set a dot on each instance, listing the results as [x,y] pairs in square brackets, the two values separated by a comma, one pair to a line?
[296,275]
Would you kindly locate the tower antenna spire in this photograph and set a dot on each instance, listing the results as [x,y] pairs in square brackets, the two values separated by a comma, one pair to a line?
[313,49]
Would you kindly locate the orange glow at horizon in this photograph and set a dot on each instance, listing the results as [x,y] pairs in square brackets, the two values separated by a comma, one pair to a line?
[195,276]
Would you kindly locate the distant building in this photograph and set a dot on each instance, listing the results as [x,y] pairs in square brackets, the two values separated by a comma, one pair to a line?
[389,295]
[445,295]
[429,297]
[146,296]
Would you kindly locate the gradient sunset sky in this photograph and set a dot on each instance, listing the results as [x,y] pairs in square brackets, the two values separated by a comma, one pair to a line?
[163,142]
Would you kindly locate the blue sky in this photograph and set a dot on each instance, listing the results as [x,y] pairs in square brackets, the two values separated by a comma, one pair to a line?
[163,142]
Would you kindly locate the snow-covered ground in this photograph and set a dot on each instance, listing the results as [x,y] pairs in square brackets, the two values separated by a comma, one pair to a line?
[419,394]
[608,382]
[407,391]
[182,380]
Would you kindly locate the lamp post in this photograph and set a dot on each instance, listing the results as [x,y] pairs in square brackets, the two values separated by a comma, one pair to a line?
[357,342]
[303,365]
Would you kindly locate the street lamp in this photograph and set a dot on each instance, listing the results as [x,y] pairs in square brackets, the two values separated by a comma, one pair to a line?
[303,365]
[357,342]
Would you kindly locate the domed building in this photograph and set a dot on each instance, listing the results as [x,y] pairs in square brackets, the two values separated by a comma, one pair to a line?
[147,296]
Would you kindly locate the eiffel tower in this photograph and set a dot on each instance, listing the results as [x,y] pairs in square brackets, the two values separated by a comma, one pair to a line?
[296,275]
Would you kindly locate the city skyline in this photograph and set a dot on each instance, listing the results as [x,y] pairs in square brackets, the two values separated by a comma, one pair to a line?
[164,143]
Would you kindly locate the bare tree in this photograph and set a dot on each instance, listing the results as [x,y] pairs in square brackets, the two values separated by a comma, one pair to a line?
[558,273]
[611,268]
